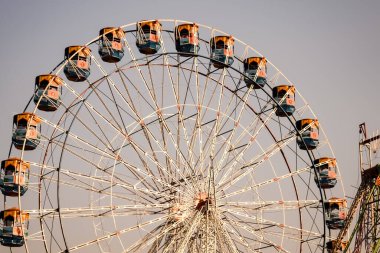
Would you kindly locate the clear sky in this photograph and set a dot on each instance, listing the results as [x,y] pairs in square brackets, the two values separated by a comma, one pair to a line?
[328,49]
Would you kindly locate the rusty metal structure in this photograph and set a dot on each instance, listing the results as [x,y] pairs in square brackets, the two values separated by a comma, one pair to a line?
[365,234]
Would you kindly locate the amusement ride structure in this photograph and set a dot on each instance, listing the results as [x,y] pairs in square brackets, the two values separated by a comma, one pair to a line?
[363,215]
[170,136]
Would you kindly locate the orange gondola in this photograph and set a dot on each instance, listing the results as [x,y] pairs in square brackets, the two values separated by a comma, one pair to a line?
[14,177]
[110,44]
[285,97]
[47,92]
[255,69]
[25,131]
[148,36]
[222,51]
[336,213]
[15,227]
[77,68]
[331,245]
[187,39]
[309,138]
[326,168]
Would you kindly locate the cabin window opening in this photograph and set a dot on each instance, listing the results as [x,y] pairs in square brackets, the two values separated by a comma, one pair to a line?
[22,123]
[9,221]
[324,167]
[334,207]
[43,84]
[9,171]
[109,36]
[253,65]
[219,44]
[145,28]
[282,93]
[71,55]
[184,33]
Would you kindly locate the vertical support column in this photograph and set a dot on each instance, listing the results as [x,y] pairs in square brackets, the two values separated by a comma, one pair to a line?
[367,229]
[207,232]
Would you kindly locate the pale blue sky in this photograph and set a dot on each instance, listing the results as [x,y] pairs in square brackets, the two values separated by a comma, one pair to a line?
[328,49]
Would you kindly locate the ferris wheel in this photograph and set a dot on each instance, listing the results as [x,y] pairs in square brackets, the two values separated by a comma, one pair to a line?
[168,136]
